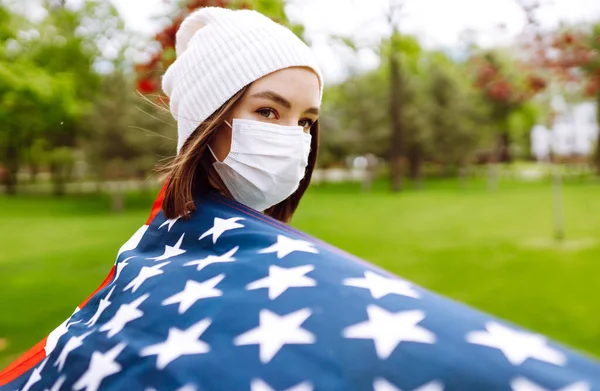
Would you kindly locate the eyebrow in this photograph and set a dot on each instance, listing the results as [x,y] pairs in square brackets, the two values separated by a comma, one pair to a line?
[282,101]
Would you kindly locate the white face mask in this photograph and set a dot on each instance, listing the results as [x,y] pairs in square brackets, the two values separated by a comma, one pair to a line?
[265,164]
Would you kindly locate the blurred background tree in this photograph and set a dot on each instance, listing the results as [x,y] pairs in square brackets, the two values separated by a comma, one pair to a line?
[81,84]
[28,86]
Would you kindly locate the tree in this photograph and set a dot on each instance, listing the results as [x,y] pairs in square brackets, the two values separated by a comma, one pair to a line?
[125,135]
[457,115]
[67,51]
[443,117]
[506,86]
[570,55]
[397,149]
[34,102]
[355,117]
[576,60]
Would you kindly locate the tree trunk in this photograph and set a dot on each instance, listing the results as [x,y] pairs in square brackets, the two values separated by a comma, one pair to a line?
[396,151]
[493,175]
[504,155]
[499,156]
[463,175]
[12,169]
[58,180]
[118,198]
[598,137]
[557,203]
[415,163]
[33,172]
[11,182]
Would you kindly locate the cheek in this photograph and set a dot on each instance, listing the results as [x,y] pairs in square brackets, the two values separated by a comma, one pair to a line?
[221,142]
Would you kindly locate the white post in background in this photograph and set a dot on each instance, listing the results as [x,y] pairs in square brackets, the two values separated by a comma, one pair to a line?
[557,203]
[561,127]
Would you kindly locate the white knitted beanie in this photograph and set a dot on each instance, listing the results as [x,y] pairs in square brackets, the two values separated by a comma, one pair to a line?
[219,52]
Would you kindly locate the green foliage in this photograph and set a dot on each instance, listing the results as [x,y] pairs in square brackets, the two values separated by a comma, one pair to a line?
[34,103]
[520,123]
[126,134]
[61,161]
[46,86]
[456,113]
[443,116]
[53,87]
[355,118]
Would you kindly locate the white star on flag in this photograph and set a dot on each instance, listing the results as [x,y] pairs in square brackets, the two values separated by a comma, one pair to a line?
[58,384]
[102,305]
[120,266]
[286,246]
[146,273]
[71,345]
[381,286]
[381,384]
[58,332]
[171,251]
[125,314]
[134,241]
[517,346]
[35,376]
[259,385]
[102,365]
[204,262]
[195,291]
[522,384]
[274,331]
[388,329]
[170,223]
[281,279]
[179,343]
[221,226]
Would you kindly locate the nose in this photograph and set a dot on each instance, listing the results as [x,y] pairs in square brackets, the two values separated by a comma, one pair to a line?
[290,122]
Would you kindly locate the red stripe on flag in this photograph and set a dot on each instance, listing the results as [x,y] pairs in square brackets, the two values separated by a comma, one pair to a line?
[157,206]
[36,354]
[24,363]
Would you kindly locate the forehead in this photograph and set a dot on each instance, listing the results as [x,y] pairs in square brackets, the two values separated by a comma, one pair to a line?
[297,84]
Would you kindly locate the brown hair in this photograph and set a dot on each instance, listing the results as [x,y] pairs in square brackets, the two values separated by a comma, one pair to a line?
[191,171]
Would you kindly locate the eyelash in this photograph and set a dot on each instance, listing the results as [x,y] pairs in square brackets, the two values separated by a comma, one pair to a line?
[310,122]
[263,110]
[268,110]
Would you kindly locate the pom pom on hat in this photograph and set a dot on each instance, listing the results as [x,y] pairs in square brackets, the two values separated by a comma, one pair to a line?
[219,52]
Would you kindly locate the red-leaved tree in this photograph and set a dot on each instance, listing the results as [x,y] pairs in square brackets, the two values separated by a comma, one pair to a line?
[506,83]
[570,54]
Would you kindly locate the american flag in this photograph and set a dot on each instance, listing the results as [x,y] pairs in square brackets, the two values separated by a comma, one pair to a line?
[229,299]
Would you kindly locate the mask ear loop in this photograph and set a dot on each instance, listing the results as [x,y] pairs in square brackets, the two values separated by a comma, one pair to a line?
[210,149]
[212,153]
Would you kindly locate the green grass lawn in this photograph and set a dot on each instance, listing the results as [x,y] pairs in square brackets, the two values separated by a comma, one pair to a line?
[492,250]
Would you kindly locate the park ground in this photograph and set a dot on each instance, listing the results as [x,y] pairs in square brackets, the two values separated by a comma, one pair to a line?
[493,250]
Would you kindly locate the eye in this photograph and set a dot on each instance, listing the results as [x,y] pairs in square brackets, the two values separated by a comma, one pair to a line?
[266,112]
[306,123]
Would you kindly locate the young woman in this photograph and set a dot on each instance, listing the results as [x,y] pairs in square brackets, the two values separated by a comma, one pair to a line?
[216,292]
